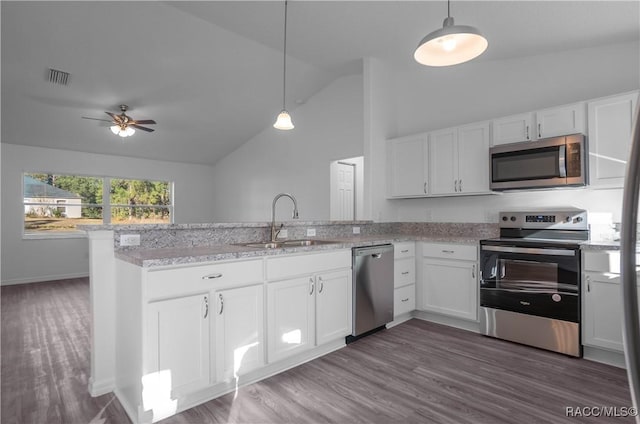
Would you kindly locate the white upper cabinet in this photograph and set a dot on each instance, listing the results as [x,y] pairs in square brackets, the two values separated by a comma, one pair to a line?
[610,126]
[459,160]
[407,164]
[551,122]
[513,129]
[562,120]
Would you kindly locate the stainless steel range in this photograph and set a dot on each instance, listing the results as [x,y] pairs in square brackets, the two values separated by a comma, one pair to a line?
[530,279]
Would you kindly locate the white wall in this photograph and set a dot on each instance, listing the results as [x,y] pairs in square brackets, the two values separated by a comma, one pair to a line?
[425,99]
[328,127]
[39,260]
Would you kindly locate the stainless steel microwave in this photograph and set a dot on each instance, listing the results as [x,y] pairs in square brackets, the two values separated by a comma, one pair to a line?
[550,162]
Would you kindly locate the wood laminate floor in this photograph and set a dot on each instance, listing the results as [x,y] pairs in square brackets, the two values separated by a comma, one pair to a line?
[417,372]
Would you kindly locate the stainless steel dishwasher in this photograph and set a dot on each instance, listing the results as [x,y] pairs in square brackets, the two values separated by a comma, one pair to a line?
[372,289]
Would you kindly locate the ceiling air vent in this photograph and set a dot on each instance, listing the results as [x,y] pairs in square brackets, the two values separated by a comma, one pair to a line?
[55,76]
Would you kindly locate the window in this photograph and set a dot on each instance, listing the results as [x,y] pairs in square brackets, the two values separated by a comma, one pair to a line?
[55,204]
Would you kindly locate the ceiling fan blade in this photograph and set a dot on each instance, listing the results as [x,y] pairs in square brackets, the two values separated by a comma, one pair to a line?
[116,118]
[144,121]
[138,127]
[96,119]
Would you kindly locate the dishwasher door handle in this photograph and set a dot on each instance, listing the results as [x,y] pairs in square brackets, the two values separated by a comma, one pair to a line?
[376,255]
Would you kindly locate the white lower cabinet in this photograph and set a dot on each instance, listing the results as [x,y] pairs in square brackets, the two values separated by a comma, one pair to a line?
[602,299]
[239,331]
[404,300]
[178,355]
[307,311]
[404,278]
[290,317]
[449,283]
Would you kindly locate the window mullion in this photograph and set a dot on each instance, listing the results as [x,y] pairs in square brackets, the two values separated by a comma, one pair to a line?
[106,200]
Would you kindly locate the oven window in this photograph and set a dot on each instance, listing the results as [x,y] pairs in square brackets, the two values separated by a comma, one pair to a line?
[527,275]
[526,165]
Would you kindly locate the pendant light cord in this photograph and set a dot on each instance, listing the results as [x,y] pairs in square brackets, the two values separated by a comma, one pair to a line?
[284,58]
[448,8]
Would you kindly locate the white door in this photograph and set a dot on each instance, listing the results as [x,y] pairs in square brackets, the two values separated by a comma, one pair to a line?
[333,306]
[450,288]
[290,317]
[443,169]
[512,129]
[473,158]
[408,165]
[178,340]
[239,331]
[345,192]
[561,120]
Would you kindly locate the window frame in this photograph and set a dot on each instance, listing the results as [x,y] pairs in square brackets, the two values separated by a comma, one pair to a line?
[106,204]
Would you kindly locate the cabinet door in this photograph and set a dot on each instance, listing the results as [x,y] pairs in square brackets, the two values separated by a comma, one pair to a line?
[407,161]
[404,300]
[333,306]
[610,126]
[290,317]
[560,120]
[443,163]
[239,333]
[178,341]
[473,158]
[450,288]
[404,272]
[512,129]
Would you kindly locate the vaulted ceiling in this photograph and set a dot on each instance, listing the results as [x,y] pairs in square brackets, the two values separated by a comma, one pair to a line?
[210,72]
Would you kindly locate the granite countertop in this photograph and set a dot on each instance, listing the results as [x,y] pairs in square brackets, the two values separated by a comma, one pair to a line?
[600,245]
[199,254]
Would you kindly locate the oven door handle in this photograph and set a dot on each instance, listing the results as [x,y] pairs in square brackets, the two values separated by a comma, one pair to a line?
[530,250]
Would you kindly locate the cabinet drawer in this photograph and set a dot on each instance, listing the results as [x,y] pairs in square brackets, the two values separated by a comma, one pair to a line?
[281,267]
[604,261]
[198,279]
[404,250]
[404,272]
[404,300]
[468,252]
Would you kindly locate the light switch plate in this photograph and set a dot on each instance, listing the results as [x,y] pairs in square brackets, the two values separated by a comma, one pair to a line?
[129,239]
[356,230]
[311,232]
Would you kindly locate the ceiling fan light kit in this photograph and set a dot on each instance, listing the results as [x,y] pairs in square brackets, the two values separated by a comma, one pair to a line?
[122,130]
[283,121]
[124,125]
[450,45]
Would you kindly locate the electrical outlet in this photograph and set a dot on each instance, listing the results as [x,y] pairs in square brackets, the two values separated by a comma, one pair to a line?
[356,230]
[129,239]
[311,232]
[283,234]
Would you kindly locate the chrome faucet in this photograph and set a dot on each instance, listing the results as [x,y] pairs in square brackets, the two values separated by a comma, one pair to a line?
[274,233]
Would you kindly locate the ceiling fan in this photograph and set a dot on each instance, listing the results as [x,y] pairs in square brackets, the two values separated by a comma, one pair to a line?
[123,125]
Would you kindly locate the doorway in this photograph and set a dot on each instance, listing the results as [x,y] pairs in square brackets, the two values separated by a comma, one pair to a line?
[346,189]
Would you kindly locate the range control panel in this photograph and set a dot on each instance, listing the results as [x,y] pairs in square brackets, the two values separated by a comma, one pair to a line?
[569,219]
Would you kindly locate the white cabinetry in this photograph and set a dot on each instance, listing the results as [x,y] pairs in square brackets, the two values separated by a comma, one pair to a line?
[310,308]
[551,122]
[404,279]
[602,316]
[407,163]
[178,342]
[473,158]
[513,129]
[449,283]
[610,126]
[561,120]
[239,330]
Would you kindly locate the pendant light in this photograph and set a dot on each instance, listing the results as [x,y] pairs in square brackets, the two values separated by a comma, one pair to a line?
[283,122]
[450,45]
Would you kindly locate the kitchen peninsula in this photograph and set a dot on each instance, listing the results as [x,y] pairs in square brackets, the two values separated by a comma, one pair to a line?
[190,313]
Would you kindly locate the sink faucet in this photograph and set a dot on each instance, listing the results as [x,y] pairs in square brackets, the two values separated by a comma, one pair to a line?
[274,233]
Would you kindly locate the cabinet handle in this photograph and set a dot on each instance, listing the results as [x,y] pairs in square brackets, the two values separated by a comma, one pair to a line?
[473,271]
[311,281]
[404,300]
[221,303]
[588,283]
[321,285]
[212,276]
[460,186]
[405,273]
[425,187]
[526,132]
[448,251]
[539,131]
[206,306]
[455,185]
[404,251]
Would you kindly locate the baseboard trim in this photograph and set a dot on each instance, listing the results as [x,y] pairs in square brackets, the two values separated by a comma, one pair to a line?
[604,356]
[15,281]
[450,321]
[101,387]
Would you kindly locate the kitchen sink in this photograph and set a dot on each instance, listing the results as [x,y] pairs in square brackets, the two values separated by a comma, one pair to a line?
[286,243]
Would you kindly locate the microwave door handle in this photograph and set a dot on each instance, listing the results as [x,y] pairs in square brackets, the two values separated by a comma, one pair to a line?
[562,161]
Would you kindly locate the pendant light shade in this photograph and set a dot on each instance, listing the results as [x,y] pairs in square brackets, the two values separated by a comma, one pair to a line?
[450,45]
[283,121]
